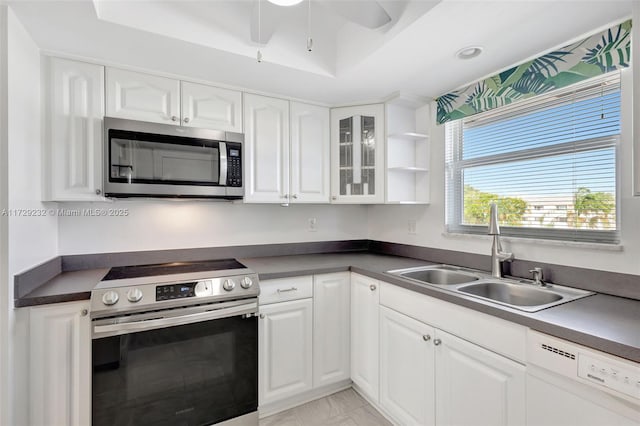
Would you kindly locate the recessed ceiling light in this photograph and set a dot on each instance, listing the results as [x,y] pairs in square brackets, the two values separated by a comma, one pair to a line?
[285,2]
[467,52]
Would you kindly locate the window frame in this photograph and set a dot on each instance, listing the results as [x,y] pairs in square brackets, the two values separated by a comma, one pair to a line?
[454,182]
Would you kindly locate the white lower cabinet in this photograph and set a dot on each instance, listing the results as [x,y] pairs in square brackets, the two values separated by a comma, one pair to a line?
[475,386]
[365,297]
[429,376]
[407,380]
[303,337]
[285,350]
[60,364]
[331,330]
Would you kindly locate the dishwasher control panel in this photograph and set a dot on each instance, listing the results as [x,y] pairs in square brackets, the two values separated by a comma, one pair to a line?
[609,374]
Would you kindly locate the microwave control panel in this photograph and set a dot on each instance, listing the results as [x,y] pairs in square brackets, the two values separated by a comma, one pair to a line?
[234,165]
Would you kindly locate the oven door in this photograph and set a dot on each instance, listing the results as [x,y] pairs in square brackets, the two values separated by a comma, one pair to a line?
[187,366]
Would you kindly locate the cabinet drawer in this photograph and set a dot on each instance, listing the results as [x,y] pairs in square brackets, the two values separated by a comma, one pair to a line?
[283,289]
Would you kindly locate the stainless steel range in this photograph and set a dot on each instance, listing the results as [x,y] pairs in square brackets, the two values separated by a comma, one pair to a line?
[176,344]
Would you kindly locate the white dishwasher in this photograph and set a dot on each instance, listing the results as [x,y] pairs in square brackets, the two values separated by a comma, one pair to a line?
[571,385]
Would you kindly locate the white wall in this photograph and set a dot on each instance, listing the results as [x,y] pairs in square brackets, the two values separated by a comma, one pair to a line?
[31,240]
[4,225]
[390,223]
[162,224]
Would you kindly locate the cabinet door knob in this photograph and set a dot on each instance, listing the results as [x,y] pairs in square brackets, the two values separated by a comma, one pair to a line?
[426,337]
[294,196]
[174,118]
[437,342]
[84,312]
[261,316]
[285,196]
[186,119]
[372,287]
[334,198]
[98,191]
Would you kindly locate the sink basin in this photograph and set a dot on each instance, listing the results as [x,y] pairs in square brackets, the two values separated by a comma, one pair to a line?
[511,294]
[521,295]
[439,276]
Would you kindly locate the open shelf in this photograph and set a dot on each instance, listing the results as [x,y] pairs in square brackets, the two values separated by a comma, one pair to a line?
[409,169]
[408,152]
[409,136]
[411,203]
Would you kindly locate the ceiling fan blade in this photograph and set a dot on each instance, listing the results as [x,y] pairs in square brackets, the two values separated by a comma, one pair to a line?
[369,14]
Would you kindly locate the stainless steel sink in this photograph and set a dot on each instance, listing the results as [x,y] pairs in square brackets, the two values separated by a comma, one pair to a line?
[439,276]
[522,295]
[511,294]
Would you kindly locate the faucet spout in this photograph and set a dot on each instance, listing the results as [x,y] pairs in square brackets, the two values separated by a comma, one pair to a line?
[497,255]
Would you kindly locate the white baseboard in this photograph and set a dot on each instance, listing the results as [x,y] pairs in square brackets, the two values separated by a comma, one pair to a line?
[303,398]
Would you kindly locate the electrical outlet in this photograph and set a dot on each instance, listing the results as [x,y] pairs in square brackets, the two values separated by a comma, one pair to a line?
[412,227]
[312,224]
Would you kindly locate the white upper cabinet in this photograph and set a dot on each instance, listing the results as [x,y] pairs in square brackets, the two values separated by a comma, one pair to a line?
[476,386]
[72,145]
[266,129]
[331,307]
[286,151]
[310,141]
[146,97]
[143,97]
[211,107]
[357,154]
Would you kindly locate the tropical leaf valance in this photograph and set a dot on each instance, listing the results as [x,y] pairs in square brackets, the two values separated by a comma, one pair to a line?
[599,54]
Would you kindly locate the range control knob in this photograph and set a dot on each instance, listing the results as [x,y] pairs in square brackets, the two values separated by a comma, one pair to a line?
[134,295]
[246,282]
[228,285]
[110,298]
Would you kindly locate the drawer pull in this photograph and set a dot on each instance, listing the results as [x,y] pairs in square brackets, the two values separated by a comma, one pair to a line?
[286,290]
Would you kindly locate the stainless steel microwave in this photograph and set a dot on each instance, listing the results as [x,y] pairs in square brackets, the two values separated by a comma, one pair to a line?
[159,160]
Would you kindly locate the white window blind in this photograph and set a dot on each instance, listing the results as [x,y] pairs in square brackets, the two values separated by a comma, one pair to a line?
[549,162]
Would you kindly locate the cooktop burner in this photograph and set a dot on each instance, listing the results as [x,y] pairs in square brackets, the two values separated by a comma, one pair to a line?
[137,271]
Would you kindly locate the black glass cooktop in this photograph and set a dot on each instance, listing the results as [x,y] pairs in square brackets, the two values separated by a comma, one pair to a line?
[137,271]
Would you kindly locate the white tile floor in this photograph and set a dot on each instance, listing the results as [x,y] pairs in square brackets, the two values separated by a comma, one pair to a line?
[345,408]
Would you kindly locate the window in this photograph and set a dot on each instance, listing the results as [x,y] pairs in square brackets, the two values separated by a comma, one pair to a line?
[549,162]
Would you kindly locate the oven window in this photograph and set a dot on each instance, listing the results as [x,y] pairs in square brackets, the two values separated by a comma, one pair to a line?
[142,158]
[195,374]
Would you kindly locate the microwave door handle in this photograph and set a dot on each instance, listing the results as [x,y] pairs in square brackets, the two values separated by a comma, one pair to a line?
[222,149]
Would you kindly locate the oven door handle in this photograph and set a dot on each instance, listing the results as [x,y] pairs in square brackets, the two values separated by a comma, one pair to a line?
[144,325]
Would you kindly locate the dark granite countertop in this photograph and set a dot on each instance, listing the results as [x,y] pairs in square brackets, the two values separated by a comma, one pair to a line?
[607,323]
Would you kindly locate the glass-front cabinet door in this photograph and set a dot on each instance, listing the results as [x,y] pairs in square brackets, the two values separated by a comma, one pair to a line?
[357,154]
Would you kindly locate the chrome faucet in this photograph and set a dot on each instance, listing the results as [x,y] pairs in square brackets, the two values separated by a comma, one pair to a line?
[497,255]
